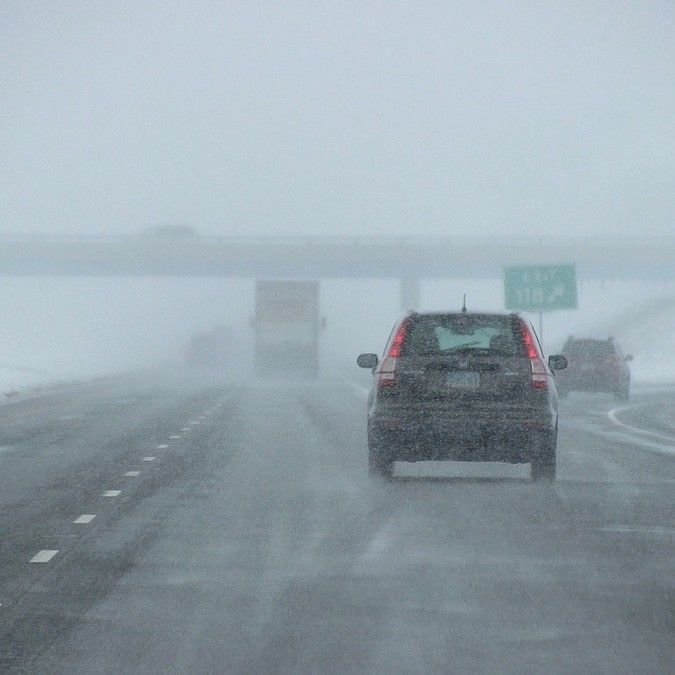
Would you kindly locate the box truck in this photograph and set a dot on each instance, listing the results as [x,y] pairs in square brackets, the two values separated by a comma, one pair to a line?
[287,327]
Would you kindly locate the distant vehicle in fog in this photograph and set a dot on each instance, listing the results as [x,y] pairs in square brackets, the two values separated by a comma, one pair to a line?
[287,327]
[595,365]
[210,350]
[464,387]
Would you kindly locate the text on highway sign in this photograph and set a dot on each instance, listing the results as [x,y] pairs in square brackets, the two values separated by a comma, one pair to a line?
[539,288]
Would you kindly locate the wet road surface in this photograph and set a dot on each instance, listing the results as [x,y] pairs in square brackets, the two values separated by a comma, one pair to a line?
[233,528]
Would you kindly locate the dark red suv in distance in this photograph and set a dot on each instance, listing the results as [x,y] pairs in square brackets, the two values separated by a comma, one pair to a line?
[465,387]
[595,365]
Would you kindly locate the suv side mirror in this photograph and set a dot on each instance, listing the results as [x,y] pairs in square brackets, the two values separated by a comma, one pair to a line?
[367,361]
[629,357]
[557,362]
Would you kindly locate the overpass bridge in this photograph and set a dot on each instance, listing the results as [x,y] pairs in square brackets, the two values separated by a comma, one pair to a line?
[409,259]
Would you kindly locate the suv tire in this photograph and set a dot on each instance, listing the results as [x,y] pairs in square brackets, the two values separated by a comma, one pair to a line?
[380,463]
[543,460]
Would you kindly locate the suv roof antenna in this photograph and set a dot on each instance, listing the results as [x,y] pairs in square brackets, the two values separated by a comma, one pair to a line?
[464,304]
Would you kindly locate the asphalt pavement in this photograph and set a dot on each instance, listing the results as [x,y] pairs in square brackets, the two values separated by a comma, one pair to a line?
[149,525]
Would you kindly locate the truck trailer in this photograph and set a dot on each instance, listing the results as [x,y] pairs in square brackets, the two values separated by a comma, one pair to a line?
[287,327]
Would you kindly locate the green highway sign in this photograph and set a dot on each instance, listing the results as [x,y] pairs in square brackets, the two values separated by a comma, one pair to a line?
[539,288]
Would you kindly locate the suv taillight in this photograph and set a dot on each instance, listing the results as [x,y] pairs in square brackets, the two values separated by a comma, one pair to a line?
[386,371]
[537,365]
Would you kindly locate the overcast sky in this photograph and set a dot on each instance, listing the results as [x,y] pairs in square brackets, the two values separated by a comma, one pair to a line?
[338,117]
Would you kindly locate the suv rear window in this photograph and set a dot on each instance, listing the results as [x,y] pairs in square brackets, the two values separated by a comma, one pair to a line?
[444,334]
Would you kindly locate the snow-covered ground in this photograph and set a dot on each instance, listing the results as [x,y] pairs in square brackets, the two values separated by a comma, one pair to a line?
[60,329]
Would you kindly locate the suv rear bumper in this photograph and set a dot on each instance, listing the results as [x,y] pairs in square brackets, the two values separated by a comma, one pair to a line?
[461,438]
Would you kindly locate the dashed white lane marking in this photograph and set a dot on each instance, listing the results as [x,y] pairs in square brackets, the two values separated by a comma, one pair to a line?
[174,437]
[380,543]
[112,493]
[162,446]
[132,473]
[148,459]
[43,556]
[185,429]
[612,415]
[194,423]
[85,518]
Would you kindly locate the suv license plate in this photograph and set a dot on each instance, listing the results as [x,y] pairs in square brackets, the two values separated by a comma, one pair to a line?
[463,379]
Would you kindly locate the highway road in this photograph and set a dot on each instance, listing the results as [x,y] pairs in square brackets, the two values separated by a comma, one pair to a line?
[153,526]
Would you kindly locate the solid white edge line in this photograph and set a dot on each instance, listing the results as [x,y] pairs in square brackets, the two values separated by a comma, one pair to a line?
[639,529]
[626,438]
[612,415]
[85,518]
[43,556]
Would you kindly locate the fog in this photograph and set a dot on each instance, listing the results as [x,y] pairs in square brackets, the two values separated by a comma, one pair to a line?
[378,118]
[59,329]
[209,210]
[323,119]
